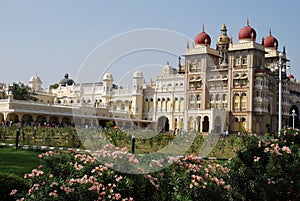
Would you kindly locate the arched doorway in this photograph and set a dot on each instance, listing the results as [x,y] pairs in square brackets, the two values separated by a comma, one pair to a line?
[218,125]
[54,120]
[205,124]
[163,124]
[66,121]
[294,117]
[27,119]
[41,119]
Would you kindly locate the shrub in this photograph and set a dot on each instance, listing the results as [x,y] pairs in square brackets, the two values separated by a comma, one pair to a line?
[11,183]
[267,169]
[74,176]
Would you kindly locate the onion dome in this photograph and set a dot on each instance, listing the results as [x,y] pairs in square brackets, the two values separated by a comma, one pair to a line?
[66,81]
[291,76]
[271,41]
[247,32]
[203,38]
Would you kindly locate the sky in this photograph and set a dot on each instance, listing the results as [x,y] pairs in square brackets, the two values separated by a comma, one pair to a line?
[54,37]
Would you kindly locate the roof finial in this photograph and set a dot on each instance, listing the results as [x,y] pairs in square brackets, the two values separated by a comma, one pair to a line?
[270,32]
[179,63]
[203,28]
[168,63]
[247,22]
[187,45]
[283,51]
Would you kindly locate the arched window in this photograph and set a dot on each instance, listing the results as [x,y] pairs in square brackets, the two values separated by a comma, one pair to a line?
[181,103]
[198,101]
[164,105]
[122,107]
[150,105]
[236,102]
[244,101]
[243,122]
[224,98]
[236,124]
[159,104]
[218,98]
[192,101]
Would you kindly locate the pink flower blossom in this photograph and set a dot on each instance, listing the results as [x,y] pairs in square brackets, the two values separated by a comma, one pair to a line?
[13,192]
[54,193]
[256,158]
[286,149]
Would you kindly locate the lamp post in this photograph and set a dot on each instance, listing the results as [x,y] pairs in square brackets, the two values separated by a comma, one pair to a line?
[281,69]
[293,114]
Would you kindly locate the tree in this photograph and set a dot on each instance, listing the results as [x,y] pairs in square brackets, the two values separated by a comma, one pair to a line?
[54,86]
[21,92]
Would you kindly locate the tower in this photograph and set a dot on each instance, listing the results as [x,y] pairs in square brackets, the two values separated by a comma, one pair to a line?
[107,85]
[137,94]
[35,83]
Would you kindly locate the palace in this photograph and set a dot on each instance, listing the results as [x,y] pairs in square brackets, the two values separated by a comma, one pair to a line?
[233,87]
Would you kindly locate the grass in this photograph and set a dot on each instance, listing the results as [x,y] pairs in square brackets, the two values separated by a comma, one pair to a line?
[18,161]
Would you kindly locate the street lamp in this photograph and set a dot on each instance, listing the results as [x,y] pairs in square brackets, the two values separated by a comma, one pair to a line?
[281,69]
[293,114]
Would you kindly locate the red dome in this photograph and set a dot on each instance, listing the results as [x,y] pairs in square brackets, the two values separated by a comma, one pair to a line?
[203,38]
[247,32]
[270,41]
[291,76]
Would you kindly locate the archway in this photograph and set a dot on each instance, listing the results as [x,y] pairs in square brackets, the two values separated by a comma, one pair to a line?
[41,119]
[66,121]
[218,125]
[102,123]
[205,124]
[27,119]
[163,124]
[295,118]
[54,120]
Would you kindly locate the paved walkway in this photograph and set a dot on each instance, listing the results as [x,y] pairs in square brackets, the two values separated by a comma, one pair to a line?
[46,148]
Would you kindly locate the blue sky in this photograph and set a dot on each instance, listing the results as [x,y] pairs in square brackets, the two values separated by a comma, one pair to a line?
[51,38]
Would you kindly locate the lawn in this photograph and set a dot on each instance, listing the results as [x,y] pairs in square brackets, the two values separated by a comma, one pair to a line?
[18,161]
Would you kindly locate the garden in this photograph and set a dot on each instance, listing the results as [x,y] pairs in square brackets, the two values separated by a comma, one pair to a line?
[250,167]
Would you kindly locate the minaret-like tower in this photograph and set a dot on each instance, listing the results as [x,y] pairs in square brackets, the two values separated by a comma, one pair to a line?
[223,45]
[35,83]
[137,94]
[107,85]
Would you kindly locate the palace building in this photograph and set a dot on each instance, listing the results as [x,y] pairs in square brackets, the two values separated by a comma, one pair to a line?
[233,87]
